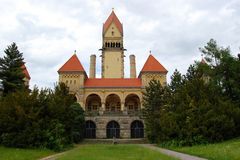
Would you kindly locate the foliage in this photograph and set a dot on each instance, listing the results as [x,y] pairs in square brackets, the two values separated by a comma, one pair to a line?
[42,118]
[11,73]
[153,101]
[199,107]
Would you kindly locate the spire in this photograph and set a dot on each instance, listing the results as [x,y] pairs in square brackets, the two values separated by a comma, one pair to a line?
[112,19]
[152,65]
[73,64]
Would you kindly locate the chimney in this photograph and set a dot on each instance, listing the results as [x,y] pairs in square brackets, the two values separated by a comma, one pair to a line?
[132,66]
[92,70]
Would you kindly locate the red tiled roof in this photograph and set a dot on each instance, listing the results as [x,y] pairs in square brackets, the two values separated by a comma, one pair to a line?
[113,82]
[152,65]
[25,71]
[203,61]
[73,64]
[113,18]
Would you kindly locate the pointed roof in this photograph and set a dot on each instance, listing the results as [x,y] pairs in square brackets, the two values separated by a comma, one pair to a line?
[112,18]
[152,65]
[203,61]
[25,72]
[73,64]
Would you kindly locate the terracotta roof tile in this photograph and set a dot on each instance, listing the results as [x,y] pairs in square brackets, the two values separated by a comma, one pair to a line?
[113,82]
[25,71]
[73,64]
[113,18]
[152,65]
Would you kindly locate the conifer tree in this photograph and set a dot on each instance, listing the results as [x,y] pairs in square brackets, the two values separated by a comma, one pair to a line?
[153,101]
[11,73]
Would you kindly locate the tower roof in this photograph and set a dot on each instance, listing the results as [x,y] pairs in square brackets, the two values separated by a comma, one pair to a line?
[203,61]
[152,65]
[112,18]
[73,64]
[25,72]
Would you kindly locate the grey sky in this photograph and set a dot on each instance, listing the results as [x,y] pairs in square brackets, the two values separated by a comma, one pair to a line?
[48,32]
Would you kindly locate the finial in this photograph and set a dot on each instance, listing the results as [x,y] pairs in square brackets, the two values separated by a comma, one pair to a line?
[75,51]
[112,9]
[150,52]
[202,56]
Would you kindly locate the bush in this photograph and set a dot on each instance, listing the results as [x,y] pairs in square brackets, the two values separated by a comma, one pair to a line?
[43,118]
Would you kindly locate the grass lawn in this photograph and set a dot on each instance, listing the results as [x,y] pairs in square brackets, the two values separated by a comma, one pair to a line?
[228,150]
[112,152]
[23,154]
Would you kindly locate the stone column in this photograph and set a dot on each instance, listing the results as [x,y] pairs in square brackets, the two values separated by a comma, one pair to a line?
[102,109]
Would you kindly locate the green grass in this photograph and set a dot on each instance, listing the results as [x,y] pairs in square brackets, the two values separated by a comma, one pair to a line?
[23,154]
[228,150]
[112,152]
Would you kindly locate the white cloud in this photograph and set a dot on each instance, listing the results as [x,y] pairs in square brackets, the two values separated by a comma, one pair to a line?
[48,32]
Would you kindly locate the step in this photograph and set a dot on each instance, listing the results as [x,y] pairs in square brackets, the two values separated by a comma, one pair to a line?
[118,141]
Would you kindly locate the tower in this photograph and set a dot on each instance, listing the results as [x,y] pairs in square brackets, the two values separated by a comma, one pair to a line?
[112,48]
[152,69]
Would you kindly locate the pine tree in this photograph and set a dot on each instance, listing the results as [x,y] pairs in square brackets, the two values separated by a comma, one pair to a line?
[153,101]
[11,73]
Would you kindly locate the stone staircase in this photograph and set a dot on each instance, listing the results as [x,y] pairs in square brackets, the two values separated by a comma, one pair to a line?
[118,141]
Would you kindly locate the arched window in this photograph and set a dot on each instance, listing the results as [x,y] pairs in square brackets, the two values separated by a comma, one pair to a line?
[113,103]
[137,129]
[105,44]
[132,102]
[93,102]
[108,44]
[90,129]
[113,129]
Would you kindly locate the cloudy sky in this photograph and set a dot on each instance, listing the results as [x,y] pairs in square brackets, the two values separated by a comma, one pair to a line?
[48,32]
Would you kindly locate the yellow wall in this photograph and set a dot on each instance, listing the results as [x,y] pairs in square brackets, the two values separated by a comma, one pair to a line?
[113,64]
[147,77]
[73,80]
[112,28]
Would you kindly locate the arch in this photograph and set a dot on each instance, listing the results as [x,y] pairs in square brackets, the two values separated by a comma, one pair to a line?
[113,103]
[114,44]
[113,129]
[90,129]
[111,44]
[132,102]
[137,129]
[93,102]
[108,44]
[105,44]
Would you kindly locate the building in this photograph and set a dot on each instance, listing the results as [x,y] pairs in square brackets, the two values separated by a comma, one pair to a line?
[112,103]
[27,75]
